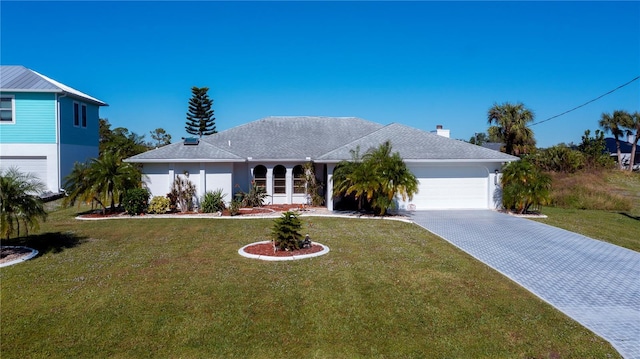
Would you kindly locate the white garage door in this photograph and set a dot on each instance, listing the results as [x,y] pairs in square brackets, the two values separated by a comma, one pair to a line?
[444,187]
[36,165]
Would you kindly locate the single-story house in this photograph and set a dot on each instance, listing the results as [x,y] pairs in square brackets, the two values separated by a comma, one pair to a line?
[625,151]
[271,151]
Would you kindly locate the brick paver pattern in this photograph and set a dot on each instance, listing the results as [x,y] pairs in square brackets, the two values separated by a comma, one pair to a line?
[594,282]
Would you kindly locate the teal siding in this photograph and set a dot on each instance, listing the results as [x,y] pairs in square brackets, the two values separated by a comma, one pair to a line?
[78,135]
[35,119]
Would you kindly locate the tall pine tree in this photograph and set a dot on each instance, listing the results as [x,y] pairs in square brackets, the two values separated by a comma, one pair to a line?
[200,120]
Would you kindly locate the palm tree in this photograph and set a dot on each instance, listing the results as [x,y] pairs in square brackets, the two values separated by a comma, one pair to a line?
[348,178]
[392,175]
[102,180]
[376,178]
[19,202]
[634,124]
[616,124]
[524,186]
[78,186]
[511,127]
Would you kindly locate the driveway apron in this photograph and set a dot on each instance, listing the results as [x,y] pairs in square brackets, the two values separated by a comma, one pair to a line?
[594,282]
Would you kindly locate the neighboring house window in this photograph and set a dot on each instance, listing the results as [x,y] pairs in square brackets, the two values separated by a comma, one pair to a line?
[76,114]
[260,176]
[84,115]
[7,113]
[279,180]
[298,179]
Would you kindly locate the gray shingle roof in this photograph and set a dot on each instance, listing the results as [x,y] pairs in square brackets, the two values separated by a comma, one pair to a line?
[418,145]
[22,79]
[291,137]
[178,152]
[323,139]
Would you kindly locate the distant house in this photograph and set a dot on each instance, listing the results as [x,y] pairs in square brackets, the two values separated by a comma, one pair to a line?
[625,151]
[45,126]
[272,151]
[496,146]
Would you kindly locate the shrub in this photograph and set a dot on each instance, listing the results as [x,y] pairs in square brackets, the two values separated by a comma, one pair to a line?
[559,158]
[254,198]
[286,231]
[159,205]
[183,191]
[213,201]
[136,201]
[594,150]
[234,207]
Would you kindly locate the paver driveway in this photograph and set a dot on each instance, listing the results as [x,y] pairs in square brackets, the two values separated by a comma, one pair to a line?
[593,282]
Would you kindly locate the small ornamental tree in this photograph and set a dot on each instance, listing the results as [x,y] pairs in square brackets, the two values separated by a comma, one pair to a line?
[200,120]
[182,192]
[286,232]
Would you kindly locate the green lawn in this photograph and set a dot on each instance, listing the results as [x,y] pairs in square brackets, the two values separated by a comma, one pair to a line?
[178,288]
[621,228]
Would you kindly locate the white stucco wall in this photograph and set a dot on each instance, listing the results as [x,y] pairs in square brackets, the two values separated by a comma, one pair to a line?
[19,154]
[219,176]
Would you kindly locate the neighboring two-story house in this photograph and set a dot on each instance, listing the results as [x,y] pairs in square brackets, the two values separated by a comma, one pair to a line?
[45,126]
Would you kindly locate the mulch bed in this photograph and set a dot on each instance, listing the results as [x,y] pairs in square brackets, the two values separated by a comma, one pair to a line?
[274,208]
[266,249]
[7,254]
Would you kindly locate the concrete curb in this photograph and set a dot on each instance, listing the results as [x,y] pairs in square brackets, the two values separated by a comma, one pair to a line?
[241,251]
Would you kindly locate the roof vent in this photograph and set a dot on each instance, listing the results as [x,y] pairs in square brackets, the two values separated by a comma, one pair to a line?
[191,141]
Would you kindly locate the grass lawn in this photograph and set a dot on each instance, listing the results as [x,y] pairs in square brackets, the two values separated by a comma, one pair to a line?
[178,288]
[620,227]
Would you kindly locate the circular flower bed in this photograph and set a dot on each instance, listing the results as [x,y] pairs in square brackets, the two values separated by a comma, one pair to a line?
[264,250]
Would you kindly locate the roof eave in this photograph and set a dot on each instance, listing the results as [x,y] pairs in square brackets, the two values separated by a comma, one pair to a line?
[462,160]
[182,160]
[58,91]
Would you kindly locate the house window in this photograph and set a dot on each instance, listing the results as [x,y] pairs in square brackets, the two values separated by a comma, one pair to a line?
[76,114]
[7,109]
[84,115]
[279,180]
[298,179]
[260,176]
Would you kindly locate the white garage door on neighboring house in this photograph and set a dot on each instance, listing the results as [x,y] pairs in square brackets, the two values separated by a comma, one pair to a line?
[451,187]
[36,165]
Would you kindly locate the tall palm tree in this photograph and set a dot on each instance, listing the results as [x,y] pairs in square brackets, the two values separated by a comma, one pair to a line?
[617,125]
[634,124]
[511,126]
[19,202]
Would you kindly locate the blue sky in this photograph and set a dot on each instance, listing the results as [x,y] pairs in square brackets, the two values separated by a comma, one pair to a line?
[416,63]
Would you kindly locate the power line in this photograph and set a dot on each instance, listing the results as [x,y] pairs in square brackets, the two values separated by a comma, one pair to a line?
[586,103]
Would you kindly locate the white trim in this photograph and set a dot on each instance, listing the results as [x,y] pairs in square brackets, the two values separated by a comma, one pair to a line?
[13,109]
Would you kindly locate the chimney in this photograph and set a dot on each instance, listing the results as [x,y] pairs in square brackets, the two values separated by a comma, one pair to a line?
[441,132]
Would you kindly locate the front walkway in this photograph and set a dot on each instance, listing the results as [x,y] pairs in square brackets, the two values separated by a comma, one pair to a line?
[593,282]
